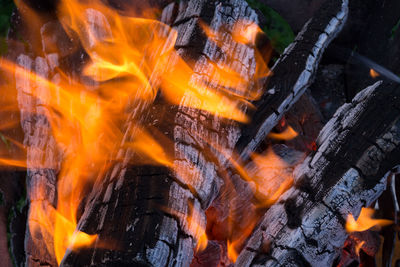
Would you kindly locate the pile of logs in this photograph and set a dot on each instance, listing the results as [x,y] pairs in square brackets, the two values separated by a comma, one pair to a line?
[141,213]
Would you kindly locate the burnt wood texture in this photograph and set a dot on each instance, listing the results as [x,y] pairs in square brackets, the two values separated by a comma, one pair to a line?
[292,74]
[355,150]
[142,212]
[146,215]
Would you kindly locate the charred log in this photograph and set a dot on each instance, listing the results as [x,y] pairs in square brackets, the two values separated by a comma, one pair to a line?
[292,74]
[306,226]
[156,208]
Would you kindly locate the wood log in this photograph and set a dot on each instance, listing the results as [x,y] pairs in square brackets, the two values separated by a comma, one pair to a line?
[283,90]
[157,210]
[293,73]
[151,203]
[41,147]
[154,235]
[355,150]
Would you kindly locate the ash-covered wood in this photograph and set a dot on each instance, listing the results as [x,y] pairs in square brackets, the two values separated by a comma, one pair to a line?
[355,150]
[151,216]
[292,74]
[41,147]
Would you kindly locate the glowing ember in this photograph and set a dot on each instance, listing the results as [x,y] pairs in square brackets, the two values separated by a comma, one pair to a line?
[364,221]
[287,134]
[373,73]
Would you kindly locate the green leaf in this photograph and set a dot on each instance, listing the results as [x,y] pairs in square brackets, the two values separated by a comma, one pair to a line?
[277,29]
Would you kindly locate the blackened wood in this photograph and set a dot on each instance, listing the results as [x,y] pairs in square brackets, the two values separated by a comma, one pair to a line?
[387,208]
[355,149]
[378,40]
[306,119]
[292,74]
[141,213]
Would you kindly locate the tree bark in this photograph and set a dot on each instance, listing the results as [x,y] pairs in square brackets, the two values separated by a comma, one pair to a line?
[355,149]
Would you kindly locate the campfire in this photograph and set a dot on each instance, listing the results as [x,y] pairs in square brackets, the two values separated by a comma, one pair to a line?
[181,133]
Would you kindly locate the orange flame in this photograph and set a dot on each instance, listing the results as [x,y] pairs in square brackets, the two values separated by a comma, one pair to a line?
[373,73]
[131,58]
[288,134]
[364,221]
[196,229]
[358,247]
[232,253]
[272,176]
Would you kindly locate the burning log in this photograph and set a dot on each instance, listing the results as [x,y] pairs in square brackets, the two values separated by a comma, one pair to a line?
[173,241]
[297,68]
[127,151]
[305,227]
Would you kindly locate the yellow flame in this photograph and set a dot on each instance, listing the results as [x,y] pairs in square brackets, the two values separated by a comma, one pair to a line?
[131,59]
[232,253]
[364,221]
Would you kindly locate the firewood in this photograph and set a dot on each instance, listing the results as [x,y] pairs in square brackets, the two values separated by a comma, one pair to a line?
[356,148]
[152,205]
[145,215]
[293,73]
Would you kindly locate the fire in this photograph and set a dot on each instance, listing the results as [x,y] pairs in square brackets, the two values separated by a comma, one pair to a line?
[373,73]
[191,223]
[47,221]
[132,60]
[197,230]
[238,241]
[272,176]
[364,221]
[288,134]
[358,247]
[232,253]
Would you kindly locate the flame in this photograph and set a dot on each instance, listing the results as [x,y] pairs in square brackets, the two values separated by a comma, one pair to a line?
[364,221]
[358,247]
[373,73]
[132,60]
[197,230]
[238,241]
[288,134]
[232,253]
[272,176]
[144,144]
[46,221]
[192,224]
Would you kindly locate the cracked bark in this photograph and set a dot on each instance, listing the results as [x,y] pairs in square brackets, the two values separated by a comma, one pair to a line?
[292,74]
[141,212]
[306,226]
[155,231]
[41,147]
[152,205]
